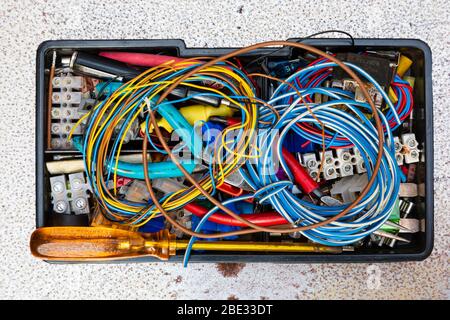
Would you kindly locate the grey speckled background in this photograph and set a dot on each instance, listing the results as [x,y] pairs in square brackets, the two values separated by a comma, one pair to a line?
[24,24]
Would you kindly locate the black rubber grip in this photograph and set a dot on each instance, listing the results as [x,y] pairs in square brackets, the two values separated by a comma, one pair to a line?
[106,65]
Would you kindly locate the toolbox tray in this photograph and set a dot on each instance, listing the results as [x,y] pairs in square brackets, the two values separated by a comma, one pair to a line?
[422,243]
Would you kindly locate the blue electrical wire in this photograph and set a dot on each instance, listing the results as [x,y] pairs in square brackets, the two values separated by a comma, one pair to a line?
[204,219]
[375,207]
[135,99]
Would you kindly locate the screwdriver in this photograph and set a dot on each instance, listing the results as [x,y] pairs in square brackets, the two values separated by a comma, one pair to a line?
[102,243]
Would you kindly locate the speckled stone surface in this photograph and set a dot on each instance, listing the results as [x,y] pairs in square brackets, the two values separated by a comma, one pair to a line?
[24,24]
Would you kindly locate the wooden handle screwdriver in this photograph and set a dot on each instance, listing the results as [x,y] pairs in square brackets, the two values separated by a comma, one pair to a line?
[101,243]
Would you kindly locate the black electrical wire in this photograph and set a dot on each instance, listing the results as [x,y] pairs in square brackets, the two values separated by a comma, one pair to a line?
[260,58]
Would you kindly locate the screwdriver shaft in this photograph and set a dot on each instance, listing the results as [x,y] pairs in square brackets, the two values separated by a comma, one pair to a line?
[258,246]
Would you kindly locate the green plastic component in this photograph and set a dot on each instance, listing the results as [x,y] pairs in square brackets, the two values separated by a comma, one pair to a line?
[395,217]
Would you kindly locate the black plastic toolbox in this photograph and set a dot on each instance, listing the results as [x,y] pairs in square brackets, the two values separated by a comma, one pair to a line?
[421,244]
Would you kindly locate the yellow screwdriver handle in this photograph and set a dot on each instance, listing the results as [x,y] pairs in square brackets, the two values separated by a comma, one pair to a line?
[98,243]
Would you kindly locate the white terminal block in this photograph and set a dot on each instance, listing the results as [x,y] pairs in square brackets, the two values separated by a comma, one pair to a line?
[72,198]
[65,128]
[329,168]
[69,82]
[347,162]
[73,112]
[398,151]
[358,161]
[59,192]
[61,143]
[309,161]
[79,196]
[374,94]
[69,105]
[410,148]
[349,85]
[68,97]
[343,162]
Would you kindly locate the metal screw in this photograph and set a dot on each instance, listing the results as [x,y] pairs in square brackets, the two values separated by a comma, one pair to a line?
[55,144]
[311,163]
[330,171]
[76,184]
[347,168]
[58,187]
[412,143]
[55,128]
[80,203]
[60,206]
[414,154]
[346,156]
[55,113]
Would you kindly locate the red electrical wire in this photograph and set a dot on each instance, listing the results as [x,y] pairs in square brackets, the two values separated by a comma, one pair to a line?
[263,219]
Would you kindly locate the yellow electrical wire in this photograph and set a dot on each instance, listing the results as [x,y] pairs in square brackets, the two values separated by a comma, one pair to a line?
[120,100]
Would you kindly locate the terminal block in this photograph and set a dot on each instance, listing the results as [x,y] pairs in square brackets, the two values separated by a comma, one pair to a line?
[406,149]
[352,86]
[358,161]
[342,164]
[70,198]
[398,151]
[410,150]
[69,104]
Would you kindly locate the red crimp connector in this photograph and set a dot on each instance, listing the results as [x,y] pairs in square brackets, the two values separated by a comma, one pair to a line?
[301,176]
[263,219]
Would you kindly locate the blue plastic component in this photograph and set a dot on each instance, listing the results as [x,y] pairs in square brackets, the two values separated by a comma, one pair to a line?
[154,225]
[212,227]
[241,207]
[295,143]
[107,88]
[211,130]
[156,170]
[283,69]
